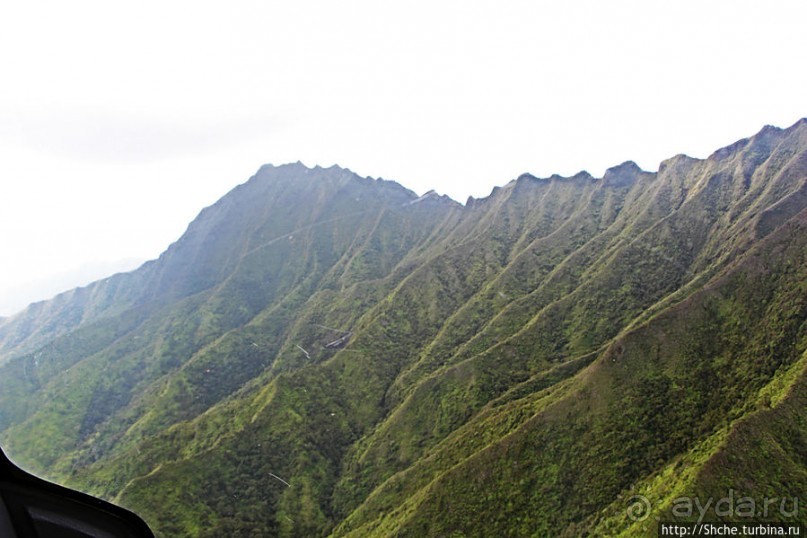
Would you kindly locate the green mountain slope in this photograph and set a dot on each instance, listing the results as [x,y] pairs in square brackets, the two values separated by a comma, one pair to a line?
[322,354]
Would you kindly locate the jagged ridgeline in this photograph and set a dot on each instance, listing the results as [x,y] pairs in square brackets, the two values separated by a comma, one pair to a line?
[327,355]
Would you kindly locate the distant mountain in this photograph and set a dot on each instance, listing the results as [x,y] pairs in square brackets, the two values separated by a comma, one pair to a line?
[322,354]
[15,300]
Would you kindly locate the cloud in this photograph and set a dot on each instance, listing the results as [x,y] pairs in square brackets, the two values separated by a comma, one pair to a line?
[99,136]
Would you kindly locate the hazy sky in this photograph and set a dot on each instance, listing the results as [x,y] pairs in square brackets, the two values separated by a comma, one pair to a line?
[119,121]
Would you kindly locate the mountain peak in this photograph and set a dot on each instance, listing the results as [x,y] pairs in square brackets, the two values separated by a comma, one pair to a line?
[627,166]
[621,174]
[767,135]
[432,197]
[801,122]
[526,176]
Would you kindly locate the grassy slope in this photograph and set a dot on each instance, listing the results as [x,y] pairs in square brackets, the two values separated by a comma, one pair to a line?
[474,336]
[414,426]
[116,367]
[656,403]
[614,288]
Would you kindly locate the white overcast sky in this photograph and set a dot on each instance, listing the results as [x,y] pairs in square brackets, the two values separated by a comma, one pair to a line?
[119,120]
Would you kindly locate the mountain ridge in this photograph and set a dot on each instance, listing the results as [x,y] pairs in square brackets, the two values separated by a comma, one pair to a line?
[317,355]
[299,167]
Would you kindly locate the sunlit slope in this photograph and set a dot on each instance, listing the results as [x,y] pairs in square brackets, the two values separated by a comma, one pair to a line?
[704,378]
[322,353]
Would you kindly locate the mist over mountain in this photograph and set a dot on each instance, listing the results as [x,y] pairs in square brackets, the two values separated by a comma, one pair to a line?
[322,354]
[16,299]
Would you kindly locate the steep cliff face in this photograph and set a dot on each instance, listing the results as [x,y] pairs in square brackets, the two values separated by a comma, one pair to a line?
[322,353]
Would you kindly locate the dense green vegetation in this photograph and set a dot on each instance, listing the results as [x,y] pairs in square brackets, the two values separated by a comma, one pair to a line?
[322,354]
